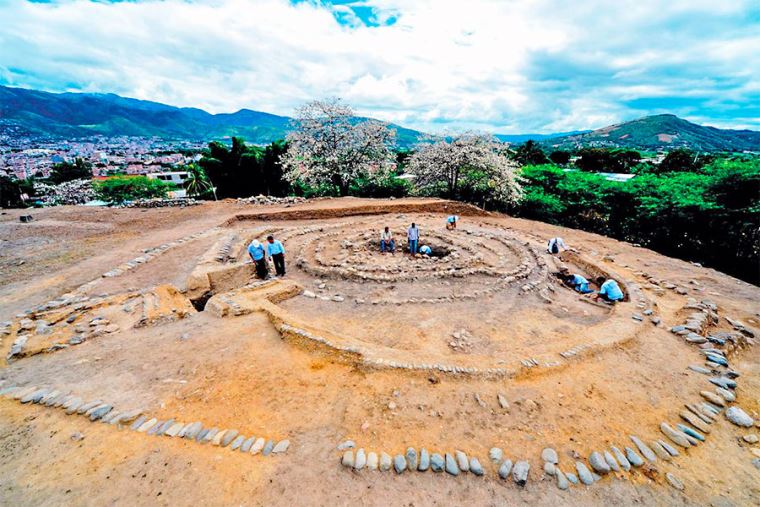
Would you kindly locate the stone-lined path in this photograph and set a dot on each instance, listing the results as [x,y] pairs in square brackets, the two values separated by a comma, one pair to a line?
[139,422]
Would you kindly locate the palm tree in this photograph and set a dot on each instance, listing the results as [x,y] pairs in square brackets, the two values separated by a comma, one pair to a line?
[197,182]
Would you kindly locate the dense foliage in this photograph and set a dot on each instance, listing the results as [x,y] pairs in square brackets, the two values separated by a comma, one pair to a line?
[12,190]
[66,171]
[603,160]
[120,189]
[712,217]
[198,183]
[242,170]
[530,153]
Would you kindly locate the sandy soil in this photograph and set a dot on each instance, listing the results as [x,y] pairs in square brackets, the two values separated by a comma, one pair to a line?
[239,372]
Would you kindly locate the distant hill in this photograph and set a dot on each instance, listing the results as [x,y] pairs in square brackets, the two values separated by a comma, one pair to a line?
[522,138]
[662,131]
[72,115]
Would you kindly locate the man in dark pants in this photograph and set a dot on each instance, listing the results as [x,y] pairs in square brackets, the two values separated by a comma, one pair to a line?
[256,251]
[276,251]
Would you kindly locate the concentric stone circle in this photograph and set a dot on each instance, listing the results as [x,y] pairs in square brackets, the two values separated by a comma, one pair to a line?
[473,251]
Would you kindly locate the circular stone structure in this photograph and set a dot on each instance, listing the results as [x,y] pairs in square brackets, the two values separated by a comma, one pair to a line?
[471,362]
[470,311]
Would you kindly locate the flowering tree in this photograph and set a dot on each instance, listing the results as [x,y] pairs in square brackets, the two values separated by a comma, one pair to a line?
[329,145]
[447,162]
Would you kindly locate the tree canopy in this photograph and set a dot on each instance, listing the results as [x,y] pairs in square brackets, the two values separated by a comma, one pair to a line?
[530,153]
[330,146]
[242,170]
[66,171]
[473,162]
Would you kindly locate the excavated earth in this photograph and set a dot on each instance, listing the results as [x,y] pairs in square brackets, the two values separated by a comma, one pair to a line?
[128,334]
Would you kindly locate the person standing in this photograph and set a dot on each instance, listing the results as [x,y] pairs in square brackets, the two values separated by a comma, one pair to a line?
[386,241]
[276,251]
[258,256]
[413,235]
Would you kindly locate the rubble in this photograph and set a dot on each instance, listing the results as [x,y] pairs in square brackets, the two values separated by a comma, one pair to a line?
[69,192]
[162,203]
[271,200]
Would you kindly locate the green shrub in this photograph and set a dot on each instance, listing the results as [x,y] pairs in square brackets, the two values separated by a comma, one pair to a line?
[711,216]
[128,188]
[387,186]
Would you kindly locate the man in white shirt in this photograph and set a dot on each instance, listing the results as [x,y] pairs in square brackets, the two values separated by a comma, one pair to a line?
[386,241]
[413,235]
[556,245]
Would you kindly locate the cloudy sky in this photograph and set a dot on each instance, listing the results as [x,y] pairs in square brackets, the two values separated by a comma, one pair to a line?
[508,66]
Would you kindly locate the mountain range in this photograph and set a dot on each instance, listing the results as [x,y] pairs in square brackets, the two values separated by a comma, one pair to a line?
[75,115]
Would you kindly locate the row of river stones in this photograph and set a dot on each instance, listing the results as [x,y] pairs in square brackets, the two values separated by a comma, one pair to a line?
[608,462]
[422,461]
[458,462]
[98,410]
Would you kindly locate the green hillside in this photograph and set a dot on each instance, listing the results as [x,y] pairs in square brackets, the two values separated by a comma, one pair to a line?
[662,132]
[70,115]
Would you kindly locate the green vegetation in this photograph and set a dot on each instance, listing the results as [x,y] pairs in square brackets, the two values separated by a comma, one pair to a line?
[241,170]
[611,161]
[120,189]
[66,171]
[530,153]
[11,191]
[711,216]
[682,160]
[198,183]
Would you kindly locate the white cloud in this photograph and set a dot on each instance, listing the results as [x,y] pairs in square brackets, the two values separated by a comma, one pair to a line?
[523,65]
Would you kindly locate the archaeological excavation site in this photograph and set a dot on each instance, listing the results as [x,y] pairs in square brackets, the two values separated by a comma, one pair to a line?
[145,363]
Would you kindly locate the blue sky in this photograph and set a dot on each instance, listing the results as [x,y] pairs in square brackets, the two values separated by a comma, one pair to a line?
[506,66]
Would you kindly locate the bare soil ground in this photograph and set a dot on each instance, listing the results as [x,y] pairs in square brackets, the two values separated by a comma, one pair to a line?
[240,372]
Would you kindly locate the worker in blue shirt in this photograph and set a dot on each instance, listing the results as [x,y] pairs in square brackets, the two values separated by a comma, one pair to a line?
[257,253]
[576,281]
[276,251]
[609,290]
[426,250]
[451,222]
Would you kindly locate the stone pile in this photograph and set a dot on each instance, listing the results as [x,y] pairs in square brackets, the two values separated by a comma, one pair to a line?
[180,202]
[98,410]
[266,200]
[69,192]
[462,341]
[31,320]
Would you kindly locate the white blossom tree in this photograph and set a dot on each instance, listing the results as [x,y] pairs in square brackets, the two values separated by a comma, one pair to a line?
[447,161]
[330,145]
